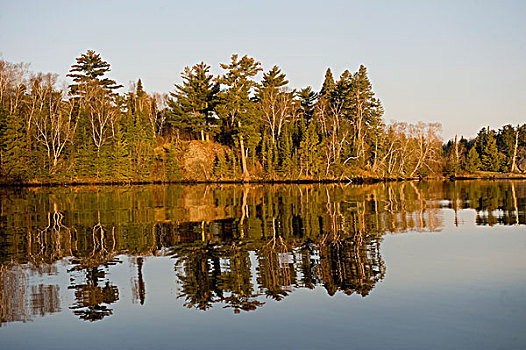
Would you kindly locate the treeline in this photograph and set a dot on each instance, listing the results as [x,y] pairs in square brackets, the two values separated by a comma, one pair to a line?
[503,150]
[225,127]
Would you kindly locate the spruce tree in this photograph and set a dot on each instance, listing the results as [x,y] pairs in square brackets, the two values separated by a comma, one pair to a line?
[506,145]
[121,169]
[15,159]
[286,153]
[365,111]
[328,84]
[490,157]
[473,160]
[308,151]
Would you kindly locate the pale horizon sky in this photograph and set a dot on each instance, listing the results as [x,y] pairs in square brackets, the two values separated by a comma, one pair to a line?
[460,63]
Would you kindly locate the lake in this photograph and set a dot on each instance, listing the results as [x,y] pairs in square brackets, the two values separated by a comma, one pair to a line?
[401,265]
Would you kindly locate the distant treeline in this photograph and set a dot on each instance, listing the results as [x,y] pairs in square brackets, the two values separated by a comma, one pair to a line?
[226,127]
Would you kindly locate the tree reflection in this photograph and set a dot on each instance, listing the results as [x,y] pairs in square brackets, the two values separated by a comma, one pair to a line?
[22,298]
[236,247]
[93,296]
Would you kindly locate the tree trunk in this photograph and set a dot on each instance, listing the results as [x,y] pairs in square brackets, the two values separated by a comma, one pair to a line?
[457,161]
[243,159]
[514,158]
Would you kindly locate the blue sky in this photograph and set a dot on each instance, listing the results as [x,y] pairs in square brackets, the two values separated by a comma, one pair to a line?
[460,63]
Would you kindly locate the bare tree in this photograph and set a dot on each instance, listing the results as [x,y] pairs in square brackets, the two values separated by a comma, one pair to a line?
[427,145]
[102,114]
[277,106]
[335,130]
[52,117]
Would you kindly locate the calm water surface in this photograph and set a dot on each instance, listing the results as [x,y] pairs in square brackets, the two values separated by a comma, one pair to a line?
[403,265]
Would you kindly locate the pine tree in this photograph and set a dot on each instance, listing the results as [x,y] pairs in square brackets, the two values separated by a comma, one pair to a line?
[274,79]
[235,108]
[307,99]
[90,70]
[195,100]
[490,157]
[473,161]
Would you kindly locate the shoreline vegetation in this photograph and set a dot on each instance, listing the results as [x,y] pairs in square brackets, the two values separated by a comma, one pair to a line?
[244,125]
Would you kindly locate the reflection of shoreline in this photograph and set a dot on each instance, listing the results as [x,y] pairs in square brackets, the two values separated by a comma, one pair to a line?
[302,236]
[21,300]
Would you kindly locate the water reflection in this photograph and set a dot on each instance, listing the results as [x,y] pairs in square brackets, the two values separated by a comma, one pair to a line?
[236,247]
[23,301]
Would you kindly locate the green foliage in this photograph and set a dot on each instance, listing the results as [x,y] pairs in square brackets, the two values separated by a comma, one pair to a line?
[328,84]
[90,69]
[490,158]
[264,129]
[235,107]
[309,151]
[121,162]
[173,169]
[15,159]
[473,163]
[307,98]
[274,79]
[195,100]
[286,153]
[221,167]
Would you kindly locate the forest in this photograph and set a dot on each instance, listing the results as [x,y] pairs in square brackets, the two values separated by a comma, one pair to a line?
[245,124]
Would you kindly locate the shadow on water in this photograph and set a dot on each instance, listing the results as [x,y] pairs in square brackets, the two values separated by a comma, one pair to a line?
[232,246]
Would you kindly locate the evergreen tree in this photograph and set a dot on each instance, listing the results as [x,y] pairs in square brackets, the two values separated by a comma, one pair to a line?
[15,159]
[85,154]
[235,108]
[274,79]
[195,100]
[328,84]
[221,166]
[121,168]
[481,140]
[308,151]
[90,70]
[173,170]
[140,136]
[506,145]
[490,157]
[286,153]
[473,160]
[307,98]
[366,112]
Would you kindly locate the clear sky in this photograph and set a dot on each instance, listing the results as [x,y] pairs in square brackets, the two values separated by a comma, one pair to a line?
[460,63]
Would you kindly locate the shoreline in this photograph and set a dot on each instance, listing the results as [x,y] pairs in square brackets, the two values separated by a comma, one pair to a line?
[355,180]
